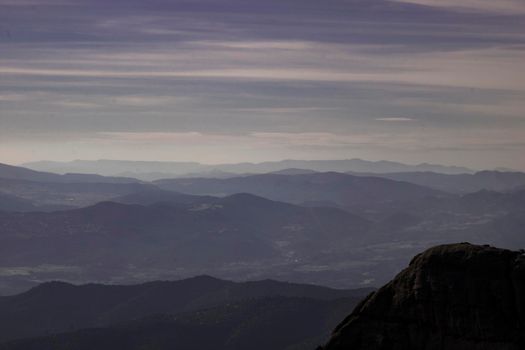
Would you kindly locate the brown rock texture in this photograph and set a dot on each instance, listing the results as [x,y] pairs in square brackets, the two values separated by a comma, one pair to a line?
[458,296]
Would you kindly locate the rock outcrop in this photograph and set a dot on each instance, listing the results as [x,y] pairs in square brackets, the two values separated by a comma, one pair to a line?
[451,297]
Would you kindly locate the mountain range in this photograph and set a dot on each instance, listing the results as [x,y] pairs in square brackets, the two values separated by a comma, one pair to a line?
[149,171]
[160,234]
[237,235]
[328,228]
[454,296]
[271,323]
[22,173]
[23,189]
[353,193]
[460,183]
[224,312]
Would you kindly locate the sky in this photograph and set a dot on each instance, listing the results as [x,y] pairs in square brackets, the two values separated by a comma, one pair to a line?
[222,81]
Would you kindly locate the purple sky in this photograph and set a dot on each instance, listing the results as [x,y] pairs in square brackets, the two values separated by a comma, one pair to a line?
[214,81]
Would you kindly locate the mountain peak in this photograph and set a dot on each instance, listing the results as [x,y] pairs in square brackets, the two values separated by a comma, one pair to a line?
[244,197]
[50,288]
[458,296]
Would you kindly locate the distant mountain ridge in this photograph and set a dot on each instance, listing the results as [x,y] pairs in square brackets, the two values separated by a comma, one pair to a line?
[149,171]
[241,234]
[22,173]
[353,193]
[327,228]
[157,196]
[56,307]
[49,196]
[23,189]
[278,323]
[336,229]
[460,183]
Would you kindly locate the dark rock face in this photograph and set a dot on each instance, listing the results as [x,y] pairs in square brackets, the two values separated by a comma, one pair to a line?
[450,297]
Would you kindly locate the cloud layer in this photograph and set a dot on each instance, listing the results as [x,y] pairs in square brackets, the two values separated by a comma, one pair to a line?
[297,79]
[509,7]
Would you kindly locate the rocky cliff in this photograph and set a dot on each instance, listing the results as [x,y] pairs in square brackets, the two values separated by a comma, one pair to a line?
[459,296]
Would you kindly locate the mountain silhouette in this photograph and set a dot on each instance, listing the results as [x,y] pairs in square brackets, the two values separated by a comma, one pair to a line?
[56,307]
[458,296]
[354,193]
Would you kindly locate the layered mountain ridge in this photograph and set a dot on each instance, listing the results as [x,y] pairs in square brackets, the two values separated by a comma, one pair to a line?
[153,170]
[168,314]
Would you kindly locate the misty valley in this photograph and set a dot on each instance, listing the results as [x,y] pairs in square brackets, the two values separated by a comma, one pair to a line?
[327,228]
[287,231]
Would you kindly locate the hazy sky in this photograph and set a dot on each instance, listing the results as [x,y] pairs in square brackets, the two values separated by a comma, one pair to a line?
[250,80]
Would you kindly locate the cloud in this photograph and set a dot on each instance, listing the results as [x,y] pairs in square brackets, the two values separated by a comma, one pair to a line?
[285,110]
[154,136]
[395,119]
[274,140]
[508,106]
[408,140]
[321,139]
[77,104]
[508,7]
[144,101]
[35,2]
[260,45]
[245,79]
[487,68]
[12,97]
